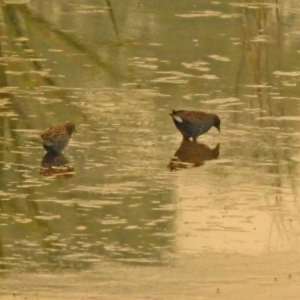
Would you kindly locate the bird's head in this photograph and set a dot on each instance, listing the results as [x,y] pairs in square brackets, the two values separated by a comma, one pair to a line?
[70,127]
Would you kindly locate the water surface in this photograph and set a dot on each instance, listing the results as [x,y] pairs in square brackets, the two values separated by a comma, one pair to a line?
[128,211]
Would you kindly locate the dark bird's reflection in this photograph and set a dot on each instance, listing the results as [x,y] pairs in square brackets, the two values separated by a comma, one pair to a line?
[56,164]
[192,154]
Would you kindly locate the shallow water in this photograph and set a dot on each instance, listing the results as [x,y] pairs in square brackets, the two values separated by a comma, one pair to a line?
[129,211]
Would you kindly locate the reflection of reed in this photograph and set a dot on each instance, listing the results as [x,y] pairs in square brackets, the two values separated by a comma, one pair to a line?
[112,17]
[262,53]
[260,25]
[192,154]
[23,12]
[14,22]
[56,164]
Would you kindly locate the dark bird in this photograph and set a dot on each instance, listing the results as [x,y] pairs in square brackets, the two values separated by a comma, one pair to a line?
[57,137]
[191,124]
[192,154]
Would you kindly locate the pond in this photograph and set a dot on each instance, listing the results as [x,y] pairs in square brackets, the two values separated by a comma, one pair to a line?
[129,210]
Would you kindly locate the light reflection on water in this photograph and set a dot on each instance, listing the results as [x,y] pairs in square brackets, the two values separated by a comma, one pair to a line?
[111,194]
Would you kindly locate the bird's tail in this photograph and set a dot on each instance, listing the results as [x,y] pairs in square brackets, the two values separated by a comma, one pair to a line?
[172,113]
[175,117]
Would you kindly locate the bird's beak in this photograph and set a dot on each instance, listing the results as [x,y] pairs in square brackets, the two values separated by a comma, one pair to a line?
[218,127]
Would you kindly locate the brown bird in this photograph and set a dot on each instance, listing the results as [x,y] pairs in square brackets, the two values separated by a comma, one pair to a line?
[191,124]
[57,137]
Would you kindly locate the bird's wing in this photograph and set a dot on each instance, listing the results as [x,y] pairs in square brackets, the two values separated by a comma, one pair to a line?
[194,117]
[50,135]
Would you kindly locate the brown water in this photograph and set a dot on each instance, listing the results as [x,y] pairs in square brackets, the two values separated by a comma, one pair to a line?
[121,218]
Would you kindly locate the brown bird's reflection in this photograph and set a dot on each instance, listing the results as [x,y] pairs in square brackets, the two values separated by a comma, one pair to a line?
[56,165]
[192,154]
